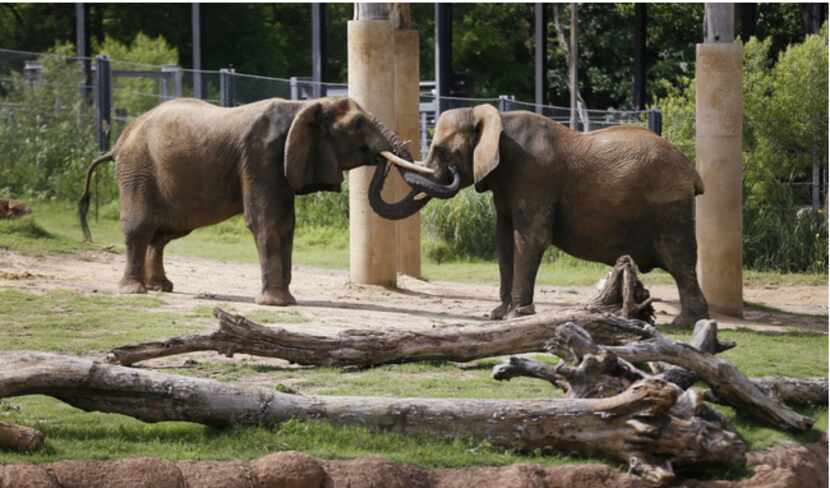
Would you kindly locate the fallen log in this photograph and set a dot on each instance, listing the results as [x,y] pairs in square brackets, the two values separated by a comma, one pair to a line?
[725,380]
[609,369]
[797,392]
[617,315]
[19,438]
[640,426]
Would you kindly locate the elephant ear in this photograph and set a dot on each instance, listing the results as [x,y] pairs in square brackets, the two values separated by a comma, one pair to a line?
[488,128]
[310,162]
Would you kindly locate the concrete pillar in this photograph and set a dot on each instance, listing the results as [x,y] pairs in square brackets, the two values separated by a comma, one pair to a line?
[407,103]
[719,119]
[373,240]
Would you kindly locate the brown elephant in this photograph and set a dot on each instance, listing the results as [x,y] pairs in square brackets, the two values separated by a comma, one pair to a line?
[186,164]
[595,195]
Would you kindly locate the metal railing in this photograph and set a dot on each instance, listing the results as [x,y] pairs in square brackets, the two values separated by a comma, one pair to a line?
[122,90]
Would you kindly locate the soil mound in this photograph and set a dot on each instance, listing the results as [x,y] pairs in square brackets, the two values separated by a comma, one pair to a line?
[782,466]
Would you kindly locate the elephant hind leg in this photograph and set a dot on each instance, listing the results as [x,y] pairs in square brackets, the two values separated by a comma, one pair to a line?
[156,278]
[677,249]
[137,240]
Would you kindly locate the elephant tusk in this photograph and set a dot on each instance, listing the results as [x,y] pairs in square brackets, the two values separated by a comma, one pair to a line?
[406,164]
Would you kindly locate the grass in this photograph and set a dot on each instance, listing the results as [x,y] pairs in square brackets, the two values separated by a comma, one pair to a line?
[84,324]
[91,323]
[53,227]
[63,321]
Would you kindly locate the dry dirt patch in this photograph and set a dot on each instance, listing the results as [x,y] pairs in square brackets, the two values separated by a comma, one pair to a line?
[330,303]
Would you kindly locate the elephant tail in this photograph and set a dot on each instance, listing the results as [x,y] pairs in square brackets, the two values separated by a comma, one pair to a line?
[83,204]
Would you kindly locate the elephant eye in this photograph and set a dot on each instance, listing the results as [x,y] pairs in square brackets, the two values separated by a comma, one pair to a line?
[358,122]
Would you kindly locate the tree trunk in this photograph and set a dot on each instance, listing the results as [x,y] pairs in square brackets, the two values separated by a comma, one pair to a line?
[19,438]
[640,426]
[622,294]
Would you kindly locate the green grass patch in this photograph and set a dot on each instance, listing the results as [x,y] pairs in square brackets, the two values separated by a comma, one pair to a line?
[276,317]
[28,235]
[64,321]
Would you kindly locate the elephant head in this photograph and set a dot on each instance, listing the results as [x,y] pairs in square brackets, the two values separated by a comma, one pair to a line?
[464,151]
[331,135]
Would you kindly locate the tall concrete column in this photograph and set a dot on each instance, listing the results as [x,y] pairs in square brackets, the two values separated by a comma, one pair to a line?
[719,119]
[373,240]
[407,103]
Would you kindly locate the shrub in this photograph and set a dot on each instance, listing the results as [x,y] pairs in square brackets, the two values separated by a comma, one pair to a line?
[47,135]
[784,135]
[461,227]
[323,209]
[137,95]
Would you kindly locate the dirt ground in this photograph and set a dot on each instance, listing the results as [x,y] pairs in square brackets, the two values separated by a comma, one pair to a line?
[331,303]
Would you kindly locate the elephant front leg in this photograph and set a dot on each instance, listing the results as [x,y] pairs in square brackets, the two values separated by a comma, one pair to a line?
[529,244]
[274,234]
[504,250]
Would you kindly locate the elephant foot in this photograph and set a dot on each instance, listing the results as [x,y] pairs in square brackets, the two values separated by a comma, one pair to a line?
[522,311]
[128,286]
[499,312]
[279,298]
[688,319]
[160,284]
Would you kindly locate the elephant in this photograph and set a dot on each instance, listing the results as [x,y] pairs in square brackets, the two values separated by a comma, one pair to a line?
[596,195]
[187,164]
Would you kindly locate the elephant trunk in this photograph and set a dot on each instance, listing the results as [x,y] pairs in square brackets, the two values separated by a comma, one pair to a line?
[410,172]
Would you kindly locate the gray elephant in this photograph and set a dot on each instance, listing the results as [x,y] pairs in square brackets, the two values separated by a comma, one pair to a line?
[187,164]
[595,195]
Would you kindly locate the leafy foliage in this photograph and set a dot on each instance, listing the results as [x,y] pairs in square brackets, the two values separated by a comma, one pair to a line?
[137,95]
[47,136]
[785,134]
[493,43]
[461,227]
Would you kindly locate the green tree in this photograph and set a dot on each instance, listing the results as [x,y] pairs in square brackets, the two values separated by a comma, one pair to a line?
[784,136]
[137,95]
[47,135]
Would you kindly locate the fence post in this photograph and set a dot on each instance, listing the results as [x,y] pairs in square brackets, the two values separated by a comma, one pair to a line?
[503,103]
[32,72]
[226,98]
[175,73]
[295,91]
[103,101]
[655,121]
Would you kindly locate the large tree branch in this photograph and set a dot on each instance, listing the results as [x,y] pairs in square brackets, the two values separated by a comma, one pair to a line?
[622,294]
[639,425]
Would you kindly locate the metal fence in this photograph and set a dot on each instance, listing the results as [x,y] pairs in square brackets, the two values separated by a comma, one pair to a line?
[120,91]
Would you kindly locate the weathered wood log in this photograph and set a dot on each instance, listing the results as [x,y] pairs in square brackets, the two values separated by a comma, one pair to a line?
[792,391]
[725,380]
[618,314]
[461,343]
[19,438]
[624,294]
[639,426]
[704,339]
